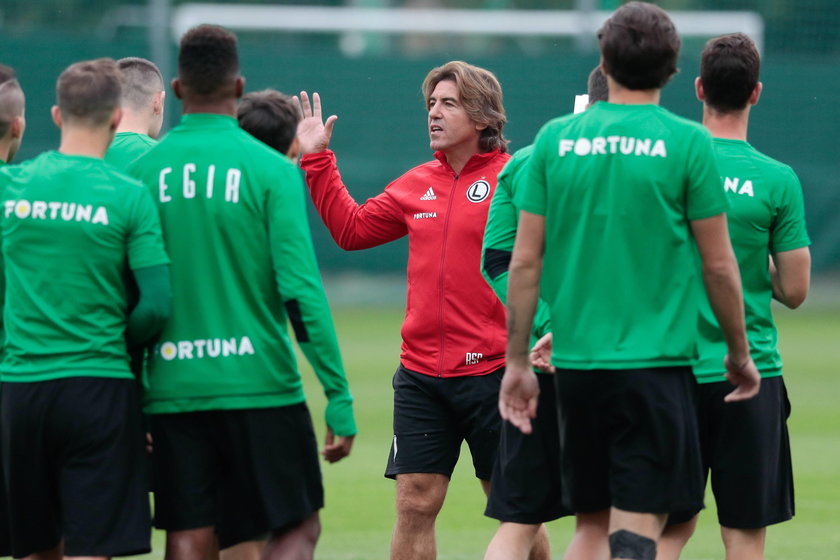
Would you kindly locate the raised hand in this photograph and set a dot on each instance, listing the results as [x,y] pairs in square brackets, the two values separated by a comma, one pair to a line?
[312,132]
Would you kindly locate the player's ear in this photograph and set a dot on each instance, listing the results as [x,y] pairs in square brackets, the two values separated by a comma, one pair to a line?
[17,126]
[294,150]
[240,86]
[176,88]
[55,112]
[698,89]
[756,93]
[116,117]
[158,103]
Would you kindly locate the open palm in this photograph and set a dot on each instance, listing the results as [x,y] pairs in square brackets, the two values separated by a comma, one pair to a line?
[313,134]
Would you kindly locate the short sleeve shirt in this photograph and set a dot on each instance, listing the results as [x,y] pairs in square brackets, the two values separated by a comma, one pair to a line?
[70,227]
[618,186]
[767,215]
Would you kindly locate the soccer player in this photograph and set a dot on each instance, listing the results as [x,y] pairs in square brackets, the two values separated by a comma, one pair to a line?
[453,334]
[525,487]
[617,198]
[746,445]
[70,412]
[142,104]
[235,448]
[12,126]
[272,118]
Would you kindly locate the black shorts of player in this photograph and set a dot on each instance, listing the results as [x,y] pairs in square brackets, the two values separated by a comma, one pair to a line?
[434,415]
[746,447]
[628,439]
[5,537]
[245,472]
[526,486]
[74,460]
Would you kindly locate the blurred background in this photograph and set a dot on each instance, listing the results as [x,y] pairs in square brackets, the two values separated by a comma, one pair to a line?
[368,58]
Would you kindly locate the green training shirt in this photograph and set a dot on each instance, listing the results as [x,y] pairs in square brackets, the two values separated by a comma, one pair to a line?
[618,185]
[128,146]
[766,215]
[69,225]
[234,221]
[500,234]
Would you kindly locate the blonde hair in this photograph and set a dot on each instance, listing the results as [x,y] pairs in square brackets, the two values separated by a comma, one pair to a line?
[480,95]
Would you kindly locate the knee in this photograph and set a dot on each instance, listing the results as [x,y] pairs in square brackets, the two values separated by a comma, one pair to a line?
[420,502]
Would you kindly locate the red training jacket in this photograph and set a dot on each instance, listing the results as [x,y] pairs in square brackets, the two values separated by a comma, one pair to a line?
[454,323]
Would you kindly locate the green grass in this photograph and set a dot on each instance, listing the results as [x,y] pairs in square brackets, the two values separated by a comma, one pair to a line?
[359,514]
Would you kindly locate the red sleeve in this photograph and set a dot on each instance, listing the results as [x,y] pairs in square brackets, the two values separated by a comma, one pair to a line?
[377,221]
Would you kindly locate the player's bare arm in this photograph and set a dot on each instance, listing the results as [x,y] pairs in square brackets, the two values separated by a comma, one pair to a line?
[723,286]
[519,391]
[790,272]
[313,133]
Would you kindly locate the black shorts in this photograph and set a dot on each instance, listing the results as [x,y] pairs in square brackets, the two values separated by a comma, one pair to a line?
[244,472]
[74,461]
[629,440]
[525,487]
[746,447]
[434,415]
[5,537]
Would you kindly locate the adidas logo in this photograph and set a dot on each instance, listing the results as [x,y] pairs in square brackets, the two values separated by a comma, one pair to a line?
[430,195]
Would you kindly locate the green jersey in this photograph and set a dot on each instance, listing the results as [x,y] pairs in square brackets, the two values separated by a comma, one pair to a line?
[500,234]
[70,224]
[128,146]
[767,215]
[618,186]
[234,222]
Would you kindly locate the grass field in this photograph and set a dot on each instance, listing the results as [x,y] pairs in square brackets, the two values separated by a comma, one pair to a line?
[359,514]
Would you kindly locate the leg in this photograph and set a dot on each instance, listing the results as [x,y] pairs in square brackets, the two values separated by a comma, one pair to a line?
[297,543]
[633,535]
[56,553]
[590,541]
[743,544]
[515,541]
[249,550]
[674,539]
[419,499]
[190,544]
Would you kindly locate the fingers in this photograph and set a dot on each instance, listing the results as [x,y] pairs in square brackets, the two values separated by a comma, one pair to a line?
[338,450]
[746,388]
[305,106]
[517,416]
[328,127]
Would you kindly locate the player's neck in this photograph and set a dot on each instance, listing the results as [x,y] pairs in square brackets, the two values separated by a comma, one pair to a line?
[731,126]
[215,107]
[5,146]
[81,141]
[623,96]
[132,122]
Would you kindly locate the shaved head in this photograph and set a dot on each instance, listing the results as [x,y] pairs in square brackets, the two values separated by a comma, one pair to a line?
[12,101]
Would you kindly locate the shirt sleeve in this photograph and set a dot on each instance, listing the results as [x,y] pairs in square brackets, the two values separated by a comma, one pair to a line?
[704,196]
[499,238]
[145,240]
[299,284]
[788,231]
[353,226]
[532,196]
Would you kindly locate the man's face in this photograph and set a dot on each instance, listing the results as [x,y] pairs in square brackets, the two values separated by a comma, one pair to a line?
[449,125]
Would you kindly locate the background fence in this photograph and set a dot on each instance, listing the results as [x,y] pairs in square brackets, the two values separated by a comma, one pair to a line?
[372,81]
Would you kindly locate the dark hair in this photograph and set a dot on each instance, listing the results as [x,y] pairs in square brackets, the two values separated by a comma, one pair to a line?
[11,98]
[141,80]
[208,61]
[480,95]
[729,69]
[88,92]
[269,116]
[596,86]
[639,45]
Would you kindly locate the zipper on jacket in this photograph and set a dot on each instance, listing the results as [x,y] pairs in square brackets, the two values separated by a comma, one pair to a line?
[442,276]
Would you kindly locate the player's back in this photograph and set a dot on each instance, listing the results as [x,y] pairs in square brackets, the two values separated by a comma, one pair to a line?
[69,223]
[227,202]
[126,147]
[766,215]
[618,185]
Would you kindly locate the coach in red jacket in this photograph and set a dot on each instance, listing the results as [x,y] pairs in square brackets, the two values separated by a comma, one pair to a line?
[452,359]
